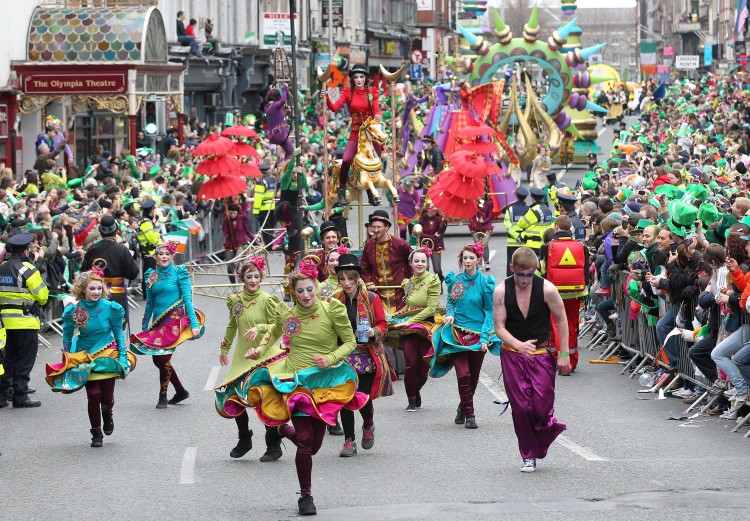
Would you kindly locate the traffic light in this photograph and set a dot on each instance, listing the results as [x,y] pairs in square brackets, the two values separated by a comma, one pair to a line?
[151,120]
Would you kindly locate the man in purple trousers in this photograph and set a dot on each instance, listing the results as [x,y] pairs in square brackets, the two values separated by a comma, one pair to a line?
[523,304]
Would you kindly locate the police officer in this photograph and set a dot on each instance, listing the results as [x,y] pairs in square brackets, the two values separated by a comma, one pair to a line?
[565,263]
[22,291]
[537,219]
[553,186]
[115,260]
[148,239]
[263,202]
[567,203]
[513,213]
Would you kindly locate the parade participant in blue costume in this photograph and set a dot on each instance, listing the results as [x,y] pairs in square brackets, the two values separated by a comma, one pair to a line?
[310,386]
[467,330]
[250,312]
[169,302]
[97,355]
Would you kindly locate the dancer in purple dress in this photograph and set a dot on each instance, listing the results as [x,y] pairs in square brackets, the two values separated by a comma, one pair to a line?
[278,128]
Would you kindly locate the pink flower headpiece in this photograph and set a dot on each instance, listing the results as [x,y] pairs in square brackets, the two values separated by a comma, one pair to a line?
[171,246]
[342,250]
[478,248]
[307,269]
[96,270]
[257,261]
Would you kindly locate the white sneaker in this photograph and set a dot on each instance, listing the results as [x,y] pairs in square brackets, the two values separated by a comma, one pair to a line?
[529,465]
[739,401]
[731,392]
[683,393]
[614,316]
[729,415]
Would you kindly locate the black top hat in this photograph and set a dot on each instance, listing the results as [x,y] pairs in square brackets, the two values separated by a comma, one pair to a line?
[326,226]
[358,68]
[379,215]
[348,261]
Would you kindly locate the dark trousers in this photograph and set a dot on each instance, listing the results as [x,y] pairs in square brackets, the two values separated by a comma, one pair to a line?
[149,262]
[266,221]
[700,354]
[468,366]
[308,437]
[367,412]
[415,375]
[167,373]
[231,267]
[20,354]
[101,396]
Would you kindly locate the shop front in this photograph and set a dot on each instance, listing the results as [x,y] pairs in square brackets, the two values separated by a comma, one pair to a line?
[92,69]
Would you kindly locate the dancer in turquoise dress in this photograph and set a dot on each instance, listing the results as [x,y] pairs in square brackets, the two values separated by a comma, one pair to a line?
[467,332]
[169,302]
[97,356]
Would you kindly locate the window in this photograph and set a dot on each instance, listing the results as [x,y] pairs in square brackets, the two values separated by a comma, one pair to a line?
[375,12]
[396,8]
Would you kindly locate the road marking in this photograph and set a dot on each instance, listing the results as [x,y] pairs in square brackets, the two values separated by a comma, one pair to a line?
[492,387]
[492,254]
[187,474]
[212,377]
[581,451]
[566,442]
[602,131]
[561,174]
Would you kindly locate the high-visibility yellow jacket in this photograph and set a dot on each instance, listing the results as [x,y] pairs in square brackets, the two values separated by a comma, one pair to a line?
[21,287]
[533,225]
[263,195]
[513,215]
[148,237]
[2,345]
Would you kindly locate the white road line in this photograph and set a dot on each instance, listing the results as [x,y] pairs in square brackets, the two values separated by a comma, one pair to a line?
[581,451]
[492,254]
[602,131]
[492,387]
[187,473]
[212,377]
[560,175]
[566,442]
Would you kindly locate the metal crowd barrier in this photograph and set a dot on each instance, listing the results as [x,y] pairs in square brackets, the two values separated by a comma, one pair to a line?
[639,338]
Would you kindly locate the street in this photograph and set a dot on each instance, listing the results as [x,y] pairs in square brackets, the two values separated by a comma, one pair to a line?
[619,459]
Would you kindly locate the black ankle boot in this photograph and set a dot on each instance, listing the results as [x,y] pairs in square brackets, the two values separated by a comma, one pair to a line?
[306,505]
[460,416]
[273,446]
[109,422]
[471,422]
[243,445]
[96,437]
[162,403]
[179,396]
[341,193]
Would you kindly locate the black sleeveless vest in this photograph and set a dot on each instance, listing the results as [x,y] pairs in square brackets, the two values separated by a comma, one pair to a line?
[538,323]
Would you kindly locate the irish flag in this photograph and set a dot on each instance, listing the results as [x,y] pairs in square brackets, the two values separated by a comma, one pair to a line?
[648,58]
[179,238]
[189,224]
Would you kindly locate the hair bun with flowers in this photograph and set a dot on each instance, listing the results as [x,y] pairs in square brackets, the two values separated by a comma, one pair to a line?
[96,270]
[426,250]
[171,246]
[307,269]
[259,262]
[478,247]
[342,250]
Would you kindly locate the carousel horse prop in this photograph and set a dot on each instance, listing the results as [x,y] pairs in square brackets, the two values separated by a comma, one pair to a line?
[366,172]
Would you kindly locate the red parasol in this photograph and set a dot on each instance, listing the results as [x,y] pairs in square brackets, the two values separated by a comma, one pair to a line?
[450,205]
[461,186]
[222,186]
[243,150]
[239,131]
[492,168]
[479,147]
[469,164]
[219,165]
[475,129]
[214,145]
[250,170]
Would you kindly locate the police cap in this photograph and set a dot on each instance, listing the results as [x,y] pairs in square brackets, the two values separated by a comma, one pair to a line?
[264,167]
[20,241]
[537,193]
[566,198]
[147,204]
[551,175]
[522,193]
